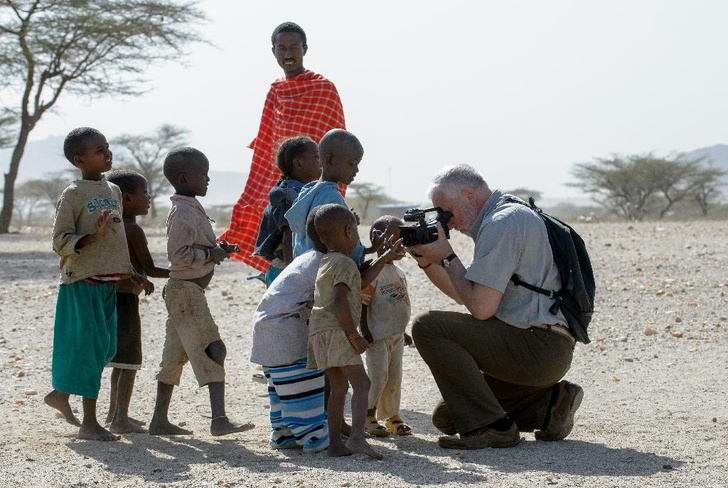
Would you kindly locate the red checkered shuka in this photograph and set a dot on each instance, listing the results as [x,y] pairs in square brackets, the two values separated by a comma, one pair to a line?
[307,105]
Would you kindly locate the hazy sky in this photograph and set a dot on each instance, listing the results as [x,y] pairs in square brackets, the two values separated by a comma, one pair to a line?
[519,89]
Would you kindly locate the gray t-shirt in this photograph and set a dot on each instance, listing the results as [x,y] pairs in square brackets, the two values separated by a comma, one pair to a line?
[280,331]
[511,239]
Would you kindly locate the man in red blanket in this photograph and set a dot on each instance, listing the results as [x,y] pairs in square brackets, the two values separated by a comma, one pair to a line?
[302,103]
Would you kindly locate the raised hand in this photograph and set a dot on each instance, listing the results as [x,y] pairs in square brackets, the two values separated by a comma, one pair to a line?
[394,249]
[218,254]
[102,225]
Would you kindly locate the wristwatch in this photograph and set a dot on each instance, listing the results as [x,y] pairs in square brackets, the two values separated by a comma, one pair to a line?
[446,262]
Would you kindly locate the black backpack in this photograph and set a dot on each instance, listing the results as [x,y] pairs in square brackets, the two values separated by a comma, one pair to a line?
[575,299]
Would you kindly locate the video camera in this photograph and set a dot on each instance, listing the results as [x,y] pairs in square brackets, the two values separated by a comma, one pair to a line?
[424,231]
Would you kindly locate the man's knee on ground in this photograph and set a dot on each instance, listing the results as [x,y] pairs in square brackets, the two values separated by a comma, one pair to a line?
[420,325]
[217,352]
[442,420]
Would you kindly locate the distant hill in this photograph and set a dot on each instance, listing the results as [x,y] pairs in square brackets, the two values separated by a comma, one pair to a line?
[46,156]
[717,155]
[40,157]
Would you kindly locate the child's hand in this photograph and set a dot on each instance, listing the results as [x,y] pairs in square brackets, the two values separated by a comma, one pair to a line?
[394,250]
[142,281]
[360,344]
[305,312]
[102,225]
[218,254]
[408,339]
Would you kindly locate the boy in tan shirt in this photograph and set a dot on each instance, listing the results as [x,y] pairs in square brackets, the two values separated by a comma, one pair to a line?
[192,334]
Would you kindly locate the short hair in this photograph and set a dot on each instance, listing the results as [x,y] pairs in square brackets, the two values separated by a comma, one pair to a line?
[289,150]
[383,223]
[330,220]
[128,180]
[288,27]
[75,142]
[180,160]
[311,230]
[337,140]
[455,178]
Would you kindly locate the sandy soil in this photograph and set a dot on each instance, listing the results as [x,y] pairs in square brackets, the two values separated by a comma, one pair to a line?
[655,377]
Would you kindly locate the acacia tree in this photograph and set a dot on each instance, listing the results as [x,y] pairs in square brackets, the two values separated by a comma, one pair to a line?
[525,193]
[633,185]
[145,153]
[48,190]
[40,194]
[623,184]
[705,186]
[368,193]
[90,47]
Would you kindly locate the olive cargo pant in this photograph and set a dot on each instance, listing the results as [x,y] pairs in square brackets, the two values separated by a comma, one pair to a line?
[487,369]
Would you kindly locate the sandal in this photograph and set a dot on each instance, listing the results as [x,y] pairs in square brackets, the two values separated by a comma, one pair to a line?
[397,426]
[374,428]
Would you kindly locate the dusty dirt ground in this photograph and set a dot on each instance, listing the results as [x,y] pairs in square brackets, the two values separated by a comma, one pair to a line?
[655,380]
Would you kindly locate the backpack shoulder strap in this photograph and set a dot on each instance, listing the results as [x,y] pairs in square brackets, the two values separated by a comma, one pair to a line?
[543,291]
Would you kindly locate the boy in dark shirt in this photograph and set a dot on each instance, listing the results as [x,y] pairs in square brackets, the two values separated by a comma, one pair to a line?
[135,200]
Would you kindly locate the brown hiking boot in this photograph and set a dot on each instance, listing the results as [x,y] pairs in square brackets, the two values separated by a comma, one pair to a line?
[562,413]
[482,438]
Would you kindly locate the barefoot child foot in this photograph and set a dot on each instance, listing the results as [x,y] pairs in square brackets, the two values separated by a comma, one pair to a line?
[339,450]
[126,426]
[165,427]
[59,401]
[90,428]
[223,426]
[361,445]
[96,433]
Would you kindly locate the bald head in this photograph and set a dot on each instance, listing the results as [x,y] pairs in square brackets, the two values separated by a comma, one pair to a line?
[182,160]
[337,141]
[330,221]
[386,224]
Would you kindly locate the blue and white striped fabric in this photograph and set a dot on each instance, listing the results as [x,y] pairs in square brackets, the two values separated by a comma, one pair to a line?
[297,414]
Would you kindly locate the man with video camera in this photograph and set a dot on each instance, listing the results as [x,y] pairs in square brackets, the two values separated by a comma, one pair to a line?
[497,367]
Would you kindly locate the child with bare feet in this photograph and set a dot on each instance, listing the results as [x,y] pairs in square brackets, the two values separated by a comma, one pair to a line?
[334,343]
[89,237]
[135,201]
[192,334]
